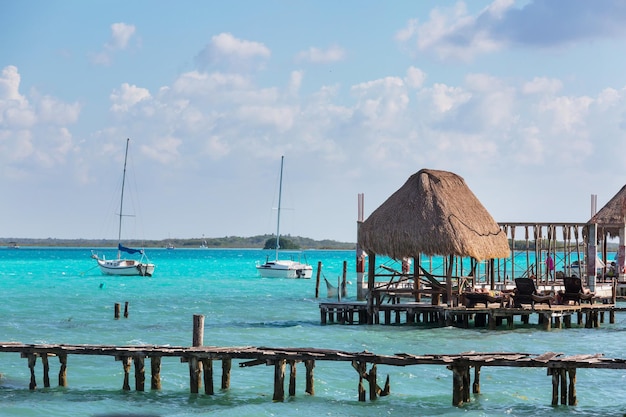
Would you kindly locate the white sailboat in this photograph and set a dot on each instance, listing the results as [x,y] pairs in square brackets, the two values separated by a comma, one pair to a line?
[121,266]
[283,268]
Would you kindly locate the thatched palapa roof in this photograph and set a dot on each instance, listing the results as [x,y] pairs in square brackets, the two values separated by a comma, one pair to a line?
[612,216]
[433,213]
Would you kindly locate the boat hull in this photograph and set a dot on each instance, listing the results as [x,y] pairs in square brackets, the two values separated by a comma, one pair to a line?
[285,269]
[126,267]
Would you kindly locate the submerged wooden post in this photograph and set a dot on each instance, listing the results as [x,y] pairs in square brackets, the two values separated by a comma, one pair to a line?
[279,380]
[207,366]
[32,360]
[371,378]
[476,384]
[195,366]
[226,365]
[117,311]
[361,369]
[310,387]
[572,399]
[194,375]
[46,370]
[63,370]
[292,378]
[555,385]
[140,373]
[126,309]
[563,379]
[155,372]
[126,365]
[457,385]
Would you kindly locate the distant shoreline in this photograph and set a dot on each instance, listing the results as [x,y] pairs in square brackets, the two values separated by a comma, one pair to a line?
[230,242]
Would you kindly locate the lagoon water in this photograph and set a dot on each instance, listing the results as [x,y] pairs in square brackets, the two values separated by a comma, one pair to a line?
[53,295]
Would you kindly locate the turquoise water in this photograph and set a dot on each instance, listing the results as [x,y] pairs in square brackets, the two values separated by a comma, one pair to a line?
[54,295]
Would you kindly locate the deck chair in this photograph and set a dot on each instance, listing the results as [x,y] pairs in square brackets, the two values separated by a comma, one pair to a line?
[574,291]
[526,293]
[473,298]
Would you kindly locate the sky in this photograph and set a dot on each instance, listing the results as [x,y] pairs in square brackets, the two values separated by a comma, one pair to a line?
[525,100]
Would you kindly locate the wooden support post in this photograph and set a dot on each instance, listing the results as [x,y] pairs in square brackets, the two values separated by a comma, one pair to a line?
[457,385]
[466,384]
[310,386]
[572,399]
[361,369]
[292,378]
[46,370]
[555,385]
[63,370]
[563,380]
[155,372]
[198,330]
[207,366]
[344,280]
[140,373]
[126,309]
[476,384]
[567,320]
[117,311]
[371,378]
[126,365]
[323,315]
[194,375]
[226,365]
[317,279]
[279,380]
[612,316]
[32,360]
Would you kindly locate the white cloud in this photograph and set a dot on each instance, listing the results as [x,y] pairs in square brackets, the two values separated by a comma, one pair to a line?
[225,50]
[415,77]
[542,85]
[454,33]
[127,96]
[121,33]
[322,56]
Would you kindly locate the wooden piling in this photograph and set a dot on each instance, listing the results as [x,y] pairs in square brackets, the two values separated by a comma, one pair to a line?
[117,311]
[140,373]
[226,365]
[126,365]
[317,279]
[198,330]
[155,372]
[572,398]
[32,360]
[279,380]
[194,375]
[63,370]
[126,309]
[292,378]
[46,370]
[310,385]
[476,384]
[371,378]
[207,367]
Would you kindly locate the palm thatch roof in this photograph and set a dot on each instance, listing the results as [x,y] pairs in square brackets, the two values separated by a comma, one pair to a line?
[612,216]
[433,213]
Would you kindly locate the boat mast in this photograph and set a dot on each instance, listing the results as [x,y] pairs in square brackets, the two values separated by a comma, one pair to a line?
[280,191]
[119,231]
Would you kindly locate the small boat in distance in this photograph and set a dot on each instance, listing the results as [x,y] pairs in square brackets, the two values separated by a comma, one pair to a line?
[13,245]
[283,268]
[120,266]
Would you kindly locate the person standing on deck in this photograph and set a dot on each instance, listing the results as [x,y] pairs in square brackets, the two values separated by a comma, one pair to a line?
[550,266]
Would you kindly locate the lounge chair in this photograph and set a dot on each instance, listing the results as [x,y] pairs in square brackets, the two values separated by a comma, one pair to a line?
[473,298]
[526,293]
[574,291]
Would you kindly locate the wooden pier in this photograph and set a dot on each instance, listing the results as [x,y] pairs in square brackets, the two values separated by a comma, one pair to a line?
[561,369]
[491,316]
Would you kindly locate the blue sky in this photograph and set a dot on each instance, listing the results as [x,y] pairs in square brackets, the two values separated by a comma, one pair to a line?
[524,100]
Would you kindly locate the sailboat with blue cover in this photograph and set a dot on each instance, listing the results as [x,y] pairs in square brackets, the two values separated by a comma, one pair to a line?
[119,265]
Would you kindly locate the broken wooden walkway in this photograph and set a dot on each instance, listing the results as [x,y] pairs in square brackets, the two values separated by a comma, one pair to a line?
[200,359]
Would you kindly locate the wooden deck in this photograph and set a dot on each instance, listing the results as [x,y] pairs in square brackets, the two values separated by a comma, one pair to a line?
[491,316]
[200,359]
